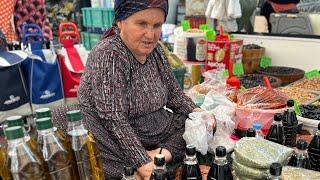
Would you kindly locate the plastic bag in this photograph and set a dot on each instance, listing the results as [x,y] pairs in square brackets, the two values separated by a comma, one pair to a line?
[217,98]
[249,172]
[289,173]
[199,130]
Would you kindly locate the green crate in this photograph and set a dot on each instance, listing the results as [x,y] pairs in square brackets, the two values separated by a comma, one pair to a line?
[89,40]
[97,17]
[179,74]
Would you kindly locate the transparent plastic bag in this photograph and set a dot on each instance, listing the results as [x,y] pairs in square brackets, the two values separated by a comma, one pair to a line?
[199,130]
[216,98]
[289,173]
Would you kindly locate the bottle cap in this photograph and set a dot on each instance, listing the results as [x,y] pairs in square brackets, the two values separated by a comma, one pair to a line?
[221,151]
[43,112]
[251,132]
[159,160]
[275,169]
[15,121]
[190,150]
[277,117]
[256,126]
[128,171]
[44,123]
[302,144]
[290,103]
[14,132]
[74,116]
[159,175]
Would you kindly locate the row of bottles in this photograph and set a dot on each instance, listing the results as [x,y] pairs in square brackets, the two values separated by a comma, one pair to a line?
[54,155]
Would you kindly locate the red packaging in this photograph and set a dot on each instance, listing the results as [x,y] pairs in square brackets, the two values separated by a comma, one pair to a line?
[223,52]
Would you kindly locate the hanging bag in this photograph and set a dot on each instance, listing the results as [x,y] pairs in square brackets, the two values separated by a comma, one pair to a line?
[72,59]
[14,99]
[42,72]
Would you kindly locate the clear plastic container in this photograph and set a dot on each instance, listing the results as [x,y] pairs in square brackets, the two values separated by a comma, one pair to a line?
[85,148]
[290,124]
[55,155]
[220,168]
[22,162]
[314,151]
[128,173]
[159,170]
[300,157]
[275,172]
[276,131]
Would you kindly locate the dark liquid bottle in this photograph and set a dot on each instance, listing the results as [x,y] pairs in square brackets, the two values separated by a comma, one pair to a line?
[190,168]
[300,156]
[290,125]
[251,132]
[275,172]
[220,168]
[159,169]
[276,131]
[314,151]
[191,49]
[128,173]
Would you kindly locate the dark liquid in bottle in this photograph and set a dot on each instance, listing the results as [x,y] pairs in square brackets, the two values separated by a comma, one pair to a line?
[314,153]
[290,125]
[276,134]
[191,172]
[297,162]
[220,172]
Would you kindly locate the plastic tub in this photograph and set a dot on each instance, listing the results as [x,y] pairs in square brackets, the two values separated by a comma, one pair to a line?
[98,17]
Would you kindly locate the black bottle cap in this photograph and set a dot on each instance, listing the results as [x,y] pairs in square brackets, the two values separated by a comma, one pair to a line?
[159,160]
[275,169]
[290,103]
[128,171]
[277,117]
[159,175]
[251,132]
[302,144]
[190,150]
[221,151]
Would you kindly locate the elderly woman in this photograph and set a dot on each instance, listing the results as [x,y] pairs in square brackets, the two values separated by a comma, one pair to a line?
[125,87]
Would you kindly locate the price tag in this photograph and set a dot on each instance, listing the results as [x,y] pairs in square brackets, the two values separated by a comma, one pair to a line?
[265,62]
[185,25]
[204,27]
[297,108]
[238,69]
[211,35]
[311,74]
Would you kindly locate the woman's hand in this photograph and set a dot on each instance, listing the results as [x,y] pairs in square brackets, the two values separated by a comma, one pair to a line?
[197,110]
[145,171]
[165,152]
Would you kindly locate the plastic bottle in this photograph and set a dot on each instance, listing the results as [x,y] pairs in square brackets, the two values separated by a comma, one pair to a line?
[85,148]
[314,151]
[290,124]
[4,171]
[190,168]
[159,167]
[251,132]
[257,127]
[300,157]
[23,163]
[276,131]
[128,173]
[18,121]
[54,153]
[220,168]
[275,172]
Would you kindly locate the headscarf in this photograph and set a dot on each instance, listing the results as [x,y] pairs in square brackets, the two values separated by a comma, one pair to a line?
[125,8]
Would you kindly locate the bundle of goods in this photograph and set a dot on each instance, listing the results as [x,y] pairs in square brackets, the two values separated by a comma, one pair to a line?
[301,95]
[253,157]
[258,105]
[254,80]
[252,54]
[286,74]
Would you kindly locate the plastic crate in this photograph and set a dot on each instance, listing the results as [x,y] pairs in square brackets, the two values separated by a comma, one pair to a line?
[89,40]
[179,74]
[97,17]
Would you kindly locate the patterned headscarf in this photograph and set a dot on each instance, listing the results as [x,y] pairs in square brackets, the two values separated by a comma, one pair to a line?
[125,8]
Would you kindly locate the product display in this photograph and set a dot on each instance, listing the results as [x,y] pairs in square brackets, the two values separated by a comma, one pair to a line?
[310,111]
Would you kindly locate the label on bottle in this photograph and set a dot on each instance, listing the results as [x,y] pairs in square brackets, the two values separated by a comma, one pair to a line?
[201,50]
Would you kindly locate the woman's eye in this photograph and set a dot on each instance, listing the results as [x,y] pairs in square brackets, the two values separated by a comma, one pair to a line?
[143,24]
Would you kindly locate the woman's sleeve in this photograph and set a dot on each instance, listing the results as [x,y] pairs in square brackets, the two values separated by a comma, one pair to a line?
[178,102]
[110,95]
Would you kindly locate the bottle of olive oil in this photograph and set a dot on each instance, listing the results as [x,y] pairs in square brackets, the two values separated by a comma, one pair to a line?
[22,162]
[54,153]
[85,148]
[4,171]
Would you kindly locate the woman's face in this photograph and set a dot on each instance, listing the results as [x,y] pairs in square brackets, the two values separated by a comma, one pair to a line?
[141,31]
